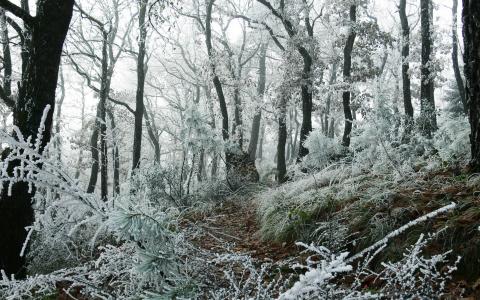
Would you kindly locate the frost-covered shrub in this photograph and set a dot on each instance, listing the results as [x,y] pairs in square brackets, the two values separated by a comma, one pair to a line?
[416,276]
[119,248]
[452,140]
[247,279]
[317,282]
[322,150]
[413,277]
[162,185]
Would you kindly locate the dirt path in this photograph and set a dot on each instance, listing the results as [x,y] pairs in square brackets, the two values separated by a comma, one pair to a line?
[234,225]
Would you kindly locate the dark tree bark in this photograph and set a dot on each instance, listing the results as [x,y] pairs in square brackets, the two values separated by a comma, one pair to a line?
[407,93]
[100,130]
[331,129]
[456,67]
[262,79]
[282,139]
[92,183]
[297,127]
[37,90]
[428,119]
[115,154]
[307,104]
[471,37]
[6,90]
[137,135]
[347,68]
[201,175]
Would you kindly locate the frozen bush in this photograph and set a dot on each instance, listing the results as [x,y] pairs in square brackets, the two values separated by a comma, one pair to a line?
[322,150]
[452,139]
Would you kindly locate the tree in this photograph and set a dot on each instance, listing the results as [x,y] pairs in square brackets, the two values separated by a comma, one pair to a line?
[282,138]
[48,30]
[237,163]
[215,79]
[456,67]
[407,93]
[428,119]
[471,37]
[307,58]
[347,69]
[140,107]
[252,147]
[106,61]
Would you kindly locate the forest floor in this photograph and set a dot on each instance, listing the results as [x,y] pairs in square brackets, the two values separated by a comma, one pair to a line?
[233,227]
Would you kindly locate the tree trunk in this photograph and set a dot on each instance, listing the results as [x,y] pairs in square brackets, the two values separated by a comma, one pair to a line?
[37,90]
[216,81]
[237,127]
[252,147]
[260,143]
[201,166]
[58,117]
[115,154]
[347,68]
[456,67]
[407,93]
[307,81]
[297,127]
[307,103]
[331,130]
[282,139]
[471,34]
[100,130]
[7,60]
[137,135]
[92,183]
[153,136]
[82,134]
[427,98]
[214,156]
[333,79]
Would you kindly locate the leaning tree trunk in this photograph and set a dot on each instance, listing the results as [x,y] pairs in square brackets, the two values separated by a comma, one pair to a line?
[347,69]
[456,67]
[407,93]
[137,135]
[471,34]
[428,119]
[37,90]
[153,135]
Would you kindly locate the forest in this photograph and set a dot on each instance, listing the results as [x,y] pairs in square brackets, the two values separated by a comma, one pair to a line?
[239,149]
